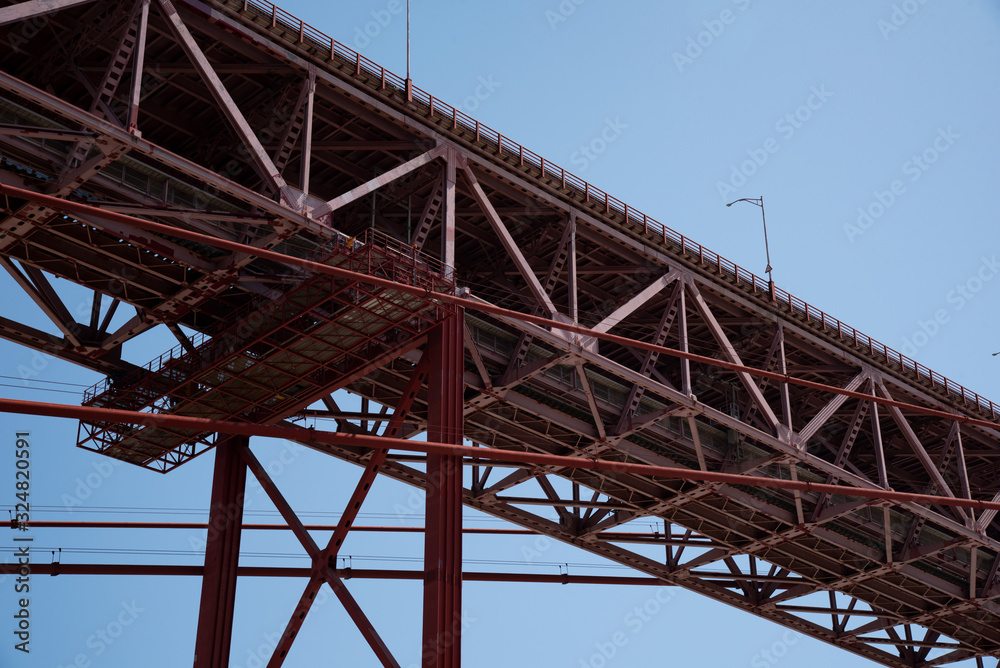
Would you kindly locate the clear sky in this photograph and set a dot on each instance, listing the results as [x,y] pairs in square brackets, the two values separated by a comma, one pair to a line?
[868,126]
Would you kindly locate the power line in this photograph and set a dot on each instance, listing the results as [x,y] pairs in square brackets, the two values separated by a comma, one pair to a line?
[40,389]
[122,510]
[346,557]
[42,380]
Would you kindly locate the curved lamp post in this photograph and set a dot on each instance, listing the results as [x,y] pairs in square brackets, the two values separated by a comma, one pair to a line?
[759,201]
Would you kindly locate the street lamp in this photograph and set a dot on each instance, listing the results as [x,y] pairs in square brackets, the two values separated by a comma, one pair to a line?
[759,201]
[409,81]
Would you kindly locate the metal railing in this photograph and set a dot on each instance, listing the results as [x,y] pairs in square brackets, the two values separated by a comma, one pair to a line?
[374,252]
[510,151]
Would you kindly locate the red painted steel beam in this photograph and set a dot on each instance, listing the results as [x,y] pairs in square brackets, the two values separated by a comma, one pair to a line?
[343,573]
[320,572]
[198,526]
[318,438]
[312,549]
[613,536]
[442,628]
[337,538]
[402,409]
[34,9]
[222,556]
[76,207]
[360,619]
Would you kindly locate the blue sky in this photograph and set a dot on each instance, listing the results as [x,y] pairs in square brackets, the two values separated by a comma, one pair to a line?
[869,127]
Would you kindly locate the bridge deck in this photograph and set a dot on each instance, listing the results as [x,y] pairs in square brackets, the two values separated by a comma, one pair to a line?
[920,582]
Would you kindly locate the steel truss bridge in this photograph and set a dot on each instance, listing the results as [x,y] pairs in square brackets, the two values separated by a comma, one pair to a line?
[322,224]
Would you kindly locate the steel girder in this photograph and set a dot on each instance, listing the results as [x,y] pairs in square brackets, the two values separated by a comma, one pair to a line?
[222,555]
[509,223]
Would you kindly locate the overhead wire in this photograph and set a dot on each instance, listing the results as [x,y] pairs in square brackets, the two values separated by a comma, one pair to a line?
[204,512]
[42,389]
[42,380]
[199,554]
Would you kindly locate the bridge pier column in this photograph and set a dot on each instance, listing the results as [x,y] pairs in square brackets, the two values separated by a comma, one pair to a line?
[222,555]
[442,631]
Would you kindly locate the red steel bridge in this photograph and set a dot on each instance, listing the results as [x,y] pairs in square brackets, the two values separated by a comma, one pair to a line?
[322,225]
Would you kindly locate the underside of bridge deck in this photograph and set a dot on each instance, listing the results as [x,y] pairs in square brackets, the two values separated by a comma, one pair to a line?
[235,121]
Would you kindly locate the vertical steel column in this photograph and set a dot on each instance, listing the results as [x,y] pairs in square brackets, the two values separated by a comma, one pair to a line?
[307,132]
[135,92]
[571,284]
[222,555]
[786,401]
[448,220]
[442,646]
[682,339]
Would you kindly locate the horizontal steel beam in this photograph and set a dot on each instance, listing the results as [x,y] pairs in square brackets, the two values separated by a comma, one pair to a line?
[343,573]
[10,130]
[569,503]
[617,537]
[23,11]
[317,437]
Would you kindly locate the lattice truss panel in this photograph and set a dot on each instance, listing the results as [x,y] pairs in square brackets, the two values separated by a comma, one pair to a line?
[276,357]
[234,120]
